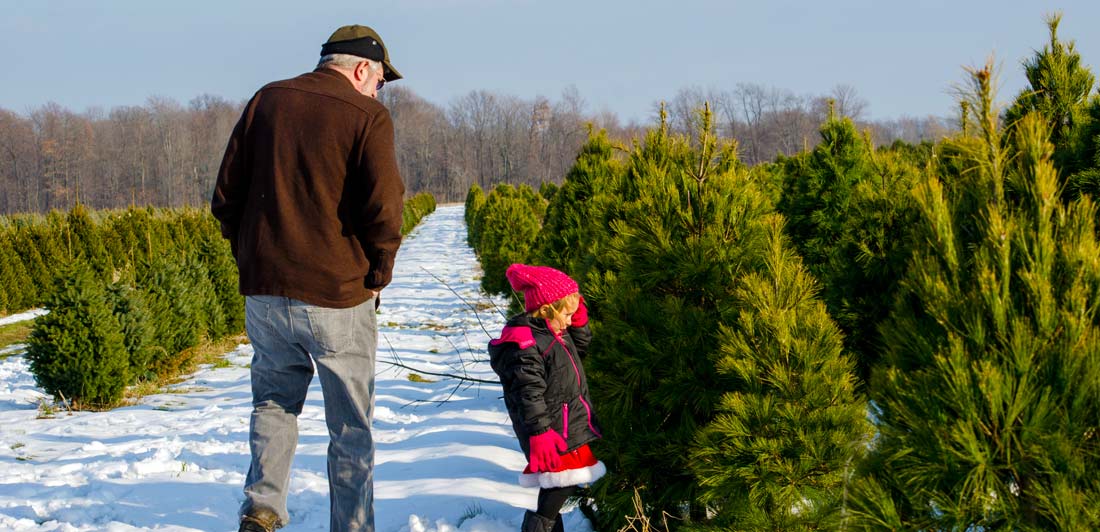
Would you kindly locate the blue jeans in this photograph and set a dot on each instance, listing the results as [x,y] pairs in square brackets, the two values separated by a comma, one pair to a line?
[286,334]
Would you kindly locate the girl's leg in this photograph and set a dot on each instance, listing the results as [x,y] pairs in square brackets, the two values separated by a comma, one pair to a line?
[548,518]
[550,502]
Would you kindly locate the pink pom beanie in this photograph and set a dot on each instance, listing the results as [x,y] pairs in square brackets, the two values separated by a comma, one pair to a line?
[540,285]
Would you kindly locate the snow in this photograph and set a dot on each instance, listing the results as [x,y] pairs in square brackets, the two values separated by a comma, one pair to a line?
[446,457]
[22,316]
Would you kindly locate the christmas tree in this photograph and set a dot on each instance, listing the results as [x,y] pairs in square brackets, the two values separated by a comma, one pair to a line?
[988,405]
[575,218]
[698,294]
[475,200]
[508,225]
[1058,90]
[77,351]
[849,211]
[790,429]
[85,242]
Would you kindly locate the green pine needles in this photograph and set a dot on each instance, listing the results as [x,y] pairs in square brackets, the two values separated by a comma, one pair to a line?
[78,350]
[475,200]
[988,406]
[718,377]
[504,229]
[849,213]
[1059,87]
[852,338]
[579,208]
[131,294]
[790,429]
[415,209]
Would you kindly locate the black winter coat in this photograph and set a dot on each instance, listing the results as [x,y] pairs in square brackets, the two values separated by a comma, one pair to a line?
[544,383]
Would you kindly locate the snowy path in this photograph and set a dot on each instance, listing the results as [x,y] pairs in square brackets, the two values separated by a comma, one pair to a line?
[177,460]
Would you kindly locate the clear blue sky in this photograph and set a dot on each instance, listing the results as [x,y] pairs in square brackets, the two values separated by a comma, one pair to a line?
[902,56]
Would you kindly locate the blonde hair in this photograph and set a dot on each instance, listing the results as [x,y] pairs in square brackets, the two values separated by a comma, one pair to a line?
[550,311]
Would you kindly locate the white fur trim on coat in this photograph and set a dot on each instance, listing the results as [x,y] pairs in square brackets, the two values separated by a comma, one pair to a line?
[560,479]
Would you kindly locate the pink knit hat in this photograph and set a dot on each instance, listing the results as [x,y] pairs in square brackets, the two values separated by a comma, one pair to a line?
[540,285]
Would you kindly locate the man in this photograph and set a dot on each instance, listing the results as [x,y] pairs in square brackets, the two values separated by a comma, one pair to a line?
[310,199]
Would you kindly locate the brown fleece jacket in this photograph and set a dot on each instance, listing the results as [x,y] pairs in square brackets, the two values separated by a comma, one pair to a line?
[309,194]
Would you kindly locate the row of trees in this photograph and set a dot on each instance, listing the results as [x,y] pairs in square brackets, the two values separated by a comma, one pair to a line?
[33,248]
[416,208]
[129,293]
[718,378]
[166,154]
[847,338]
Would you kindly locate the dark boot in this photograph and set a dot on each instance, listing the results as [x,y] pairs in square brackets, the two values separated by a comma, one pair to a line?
[259,520]
[533,522]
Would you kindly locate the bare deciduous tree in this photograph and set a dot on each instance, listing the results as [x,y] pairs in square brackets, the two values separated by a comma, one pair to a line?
[166,154]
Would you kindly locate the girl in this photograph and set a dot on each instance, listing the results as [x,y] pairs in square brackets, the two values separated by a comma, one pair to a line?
[538,359]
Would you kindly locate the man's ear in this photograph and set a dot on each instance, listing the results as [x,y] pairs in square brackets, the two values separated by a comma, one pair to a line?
[362,70]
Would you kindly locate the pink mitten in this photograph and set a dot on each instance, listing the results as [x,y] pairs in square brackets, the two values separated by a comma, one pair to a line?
[580,317]
[545,451]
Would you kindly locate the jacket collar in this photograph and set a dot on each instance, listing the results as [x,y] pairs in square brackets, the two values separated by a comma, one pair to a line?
[537,325]
[334,78]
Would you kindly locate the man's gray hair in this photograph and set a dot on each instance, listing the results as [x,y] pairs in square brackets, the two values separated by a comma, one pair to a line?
[347,61]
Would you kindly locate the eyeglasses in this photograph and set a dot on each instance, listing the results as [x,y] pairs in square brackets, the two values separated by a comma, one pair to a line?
[381,83]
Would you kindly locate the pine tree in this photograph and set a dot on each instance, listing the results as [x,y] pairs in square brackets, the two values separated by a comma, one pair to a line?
[1059,86]
[547,190]
[692,244]
[510,222]
[415,209]
[18,286]
[780,453]
[1087,180]
[915,155]
[848,212]
[40,254]
[200,283]
[215,255]
[54,242]
[988,406]
[143,234]
[7,274]
[186,226]
[575,217]
[475,200]
[77,350]
[85,242]
[667,275]
[175,308]
[117,248]
[128,307]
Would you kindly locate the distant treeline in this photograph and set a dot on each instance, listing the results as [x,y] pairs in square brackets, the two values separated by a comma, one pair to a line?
[166,154]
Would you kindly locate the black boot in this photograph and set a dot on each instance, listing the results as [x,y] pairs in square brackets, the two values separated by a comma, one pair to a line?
[533,522]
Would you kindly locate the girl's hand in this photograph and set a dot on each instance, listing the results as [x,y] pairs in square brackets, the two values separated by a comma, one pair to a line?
[580,316]
[545,451]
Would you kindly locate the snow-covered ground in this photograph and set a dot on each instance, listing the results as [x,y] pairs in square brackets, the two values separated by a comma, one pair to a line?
[22,316]
[446,456]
